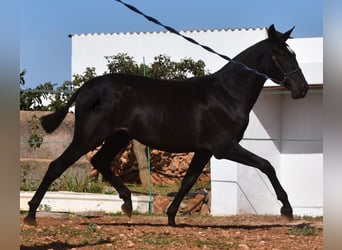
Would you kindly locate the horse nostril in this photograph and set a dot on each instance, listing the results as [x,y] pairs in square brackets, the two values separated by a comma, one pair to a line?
[305,90]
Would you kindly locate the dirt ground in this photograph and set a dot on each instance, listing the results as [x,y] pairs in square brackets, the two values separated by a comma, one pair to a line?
[101,231]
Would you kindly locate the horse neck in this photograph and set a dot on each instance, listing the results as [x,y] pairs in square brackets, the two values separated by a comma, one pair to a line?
[243,85]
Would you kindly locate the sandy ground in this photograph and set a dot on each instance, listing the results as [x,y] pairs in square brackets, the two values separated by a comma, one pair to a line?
[101,231]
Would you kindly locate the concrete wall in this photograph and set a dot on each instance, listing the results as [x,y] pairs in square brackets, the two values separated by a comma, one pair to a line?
[302,162]
[37,160]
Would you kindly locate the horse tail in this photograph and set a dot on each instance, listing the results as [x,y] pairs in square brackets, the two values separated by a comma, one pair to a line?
[52,121]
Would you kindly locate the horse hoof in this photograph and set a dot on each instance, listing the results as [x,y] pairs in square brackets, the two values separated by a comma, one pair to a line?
[30,221]
[172,223]
[287,213]
[127,209]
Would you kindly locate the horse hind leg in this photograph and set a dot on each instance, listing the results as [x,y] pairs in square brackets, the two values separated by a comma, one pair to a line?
[88,134]
[55,170]
[102,160]
[197,164]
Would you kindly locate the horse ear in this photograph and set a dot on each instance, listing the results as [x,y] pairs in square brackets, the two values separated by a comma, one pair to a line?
[287,34]
[272,34]
[271,31]
[271,28]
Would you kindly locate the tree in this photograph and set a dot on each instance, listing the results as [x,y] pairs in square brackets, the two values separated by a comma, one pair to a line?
[28,97]
[164,68]
[55,96]
[123,63]
[22,79]
[79,79]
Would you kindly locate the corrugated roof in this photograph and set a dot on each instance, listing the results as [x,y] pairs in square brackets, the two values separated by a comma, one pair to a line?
[163,31]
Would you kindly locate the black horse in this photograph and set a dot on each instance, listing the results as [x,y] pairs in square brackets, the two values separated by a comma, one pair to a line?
[206,115]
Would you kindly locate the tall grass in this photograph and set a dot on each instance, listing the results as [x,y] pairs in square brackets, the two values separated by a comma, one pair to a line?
[75,183]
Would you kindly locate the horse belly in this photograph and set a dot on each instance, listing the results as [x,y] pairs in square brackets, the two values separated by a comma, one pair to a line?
[167,134]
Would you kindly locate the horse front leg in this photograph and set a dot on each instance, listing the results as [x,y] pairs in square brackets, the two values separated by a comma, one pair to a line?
[198,162]
[241,155]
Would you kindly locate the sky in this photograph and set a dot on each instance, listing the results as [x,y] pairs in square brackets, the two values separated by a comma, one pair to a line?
[45,48]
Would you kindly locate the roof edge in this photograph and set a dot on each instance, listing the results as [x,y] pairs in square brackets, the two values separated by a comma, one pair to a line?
[165,32]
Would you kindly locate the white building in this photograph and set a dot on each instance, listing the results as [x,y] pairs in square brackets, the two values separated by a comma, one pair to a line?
[295,126]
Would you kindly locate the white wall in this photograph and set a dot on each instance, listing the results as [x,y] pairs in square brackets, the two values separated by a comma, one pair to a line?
[309,52]
[302,162]
[90,49]
[224,187]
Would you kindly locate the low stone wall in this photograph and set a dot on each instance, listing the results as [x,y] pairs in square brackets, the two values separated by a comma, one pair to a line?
[34,162]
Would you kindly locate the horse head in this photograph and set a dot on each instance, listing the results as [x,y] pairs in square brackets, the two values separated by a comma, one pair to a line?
[285,65]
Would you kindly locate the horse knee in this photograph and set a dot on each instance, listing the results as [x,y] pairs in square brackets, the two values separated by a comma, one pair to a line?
[267,168]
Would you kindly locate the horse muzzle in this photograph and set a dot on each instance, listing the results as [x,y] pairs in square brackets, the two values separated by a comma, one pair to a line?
[300,93]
